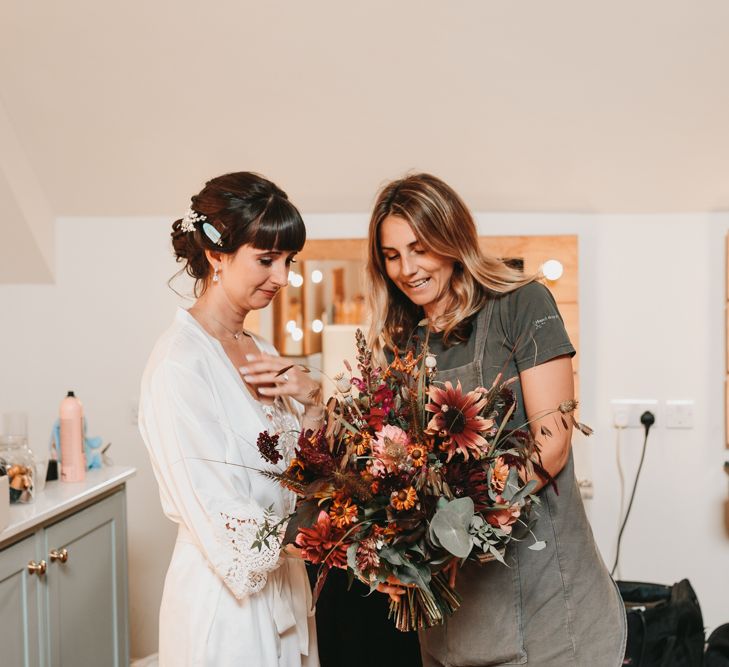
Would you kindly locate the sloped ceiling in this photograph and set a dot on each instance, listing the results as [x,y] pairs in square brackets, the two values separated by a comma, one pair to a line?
[566,105]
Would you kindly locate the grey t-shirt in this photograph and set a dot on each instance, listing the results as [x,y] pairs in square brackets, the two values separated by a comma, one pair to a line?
[525,330]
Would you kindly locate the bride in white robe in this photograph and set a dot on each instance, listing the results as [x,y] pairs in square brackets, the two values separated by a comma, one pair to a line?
[225,602]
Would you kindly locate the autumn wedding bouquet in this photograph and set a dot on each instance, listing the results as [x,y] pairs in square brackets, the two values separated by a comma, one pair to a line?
[408,476]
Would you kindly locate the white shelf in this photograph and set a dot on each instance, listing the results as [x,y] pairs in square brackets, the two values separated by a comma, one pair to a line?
[58,497]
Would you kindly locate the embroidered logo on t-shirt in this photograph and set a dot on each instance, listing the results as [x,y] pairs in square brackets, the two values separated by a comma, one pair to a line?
[538,324]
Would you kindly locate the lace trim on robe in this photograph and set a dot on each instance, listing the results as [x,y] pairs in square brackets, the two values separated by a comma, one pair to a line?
[245,568]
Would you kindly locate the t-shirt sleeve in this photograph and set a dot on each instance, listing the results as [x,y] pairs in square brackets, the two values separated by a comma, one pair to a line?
[536,327]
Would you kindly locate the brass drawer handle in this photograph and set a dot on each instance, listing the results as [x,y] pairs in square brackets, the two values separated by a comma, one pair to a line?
[37,568]
[59,555]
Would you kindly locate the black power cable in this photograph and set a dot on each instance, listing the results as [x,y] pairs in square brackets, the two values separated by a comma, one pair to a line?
[647,419]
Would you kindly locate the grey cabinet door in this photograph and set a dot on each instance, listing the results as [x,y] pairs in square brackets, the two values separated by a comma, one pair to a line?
[87,594]
[19,593]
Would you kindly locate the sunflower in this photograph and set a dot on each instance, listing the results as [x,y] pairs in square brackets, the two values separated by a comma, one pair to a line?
[404,499]
[343,513]
[456,419]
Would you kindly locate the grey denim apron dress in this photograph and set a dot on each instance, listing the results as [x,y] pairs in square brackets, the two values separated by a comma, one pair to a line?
[552,608]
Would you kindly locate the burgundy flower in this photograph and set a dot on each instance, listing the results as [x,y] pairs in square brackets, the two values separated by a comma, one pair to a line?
[314,454]
[383,395]
[376,418]
[267,446]
[468,478]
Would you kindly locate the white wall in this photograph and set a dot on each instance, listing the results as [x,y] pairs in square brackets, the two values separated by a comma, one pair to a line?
[652,326]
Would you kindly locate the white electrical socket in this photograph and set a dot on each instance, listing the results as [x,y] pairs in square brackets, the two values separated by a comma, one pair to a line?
[679,414]
[587,489]
[627,411]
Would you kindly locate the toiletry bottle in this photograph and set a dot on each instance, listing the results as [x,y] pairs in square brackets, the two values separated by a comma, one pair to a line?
[73,459]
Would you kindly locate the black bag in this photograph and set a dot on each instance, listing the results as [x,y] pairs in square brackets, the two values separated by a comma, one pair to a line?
[717,648]
[665,626]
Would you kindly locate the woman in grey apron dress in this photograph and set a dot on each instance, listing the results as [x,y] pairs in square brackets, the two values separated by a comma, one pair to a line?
[550,608]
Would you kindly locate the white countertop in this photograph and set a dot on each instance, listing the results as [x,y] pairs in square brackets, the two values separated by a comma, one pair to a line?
[58,497]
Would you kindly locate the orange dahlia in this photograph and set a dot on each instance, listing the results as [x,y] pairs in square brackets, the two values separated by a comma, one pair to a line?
[322,543]
[404,499]
[499,474]
[456,419]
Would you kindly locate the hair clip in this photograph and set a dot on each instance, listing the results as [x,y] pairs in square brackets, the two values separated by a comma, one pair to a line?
[189,220]
[212,233]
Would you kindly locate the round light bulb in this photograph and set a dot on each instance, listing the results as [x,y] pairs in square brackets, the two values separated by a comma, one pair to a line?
[297,334]
[290,326]
[317,326]
[317,276]
[296,279]
[552,269]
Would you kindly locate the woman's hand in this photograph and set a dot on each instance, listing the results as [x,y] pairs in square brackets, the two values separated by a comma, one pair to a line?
[264,373]
[291,551]
[451,570]
[394,588]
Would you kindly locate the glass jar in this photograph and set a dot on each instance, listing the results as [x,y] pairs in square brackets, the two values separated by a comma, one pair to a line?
[18,463]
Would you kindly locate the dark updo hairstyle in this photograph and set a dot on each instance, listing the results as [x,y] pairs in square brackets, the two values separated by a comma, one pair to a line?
[245,209]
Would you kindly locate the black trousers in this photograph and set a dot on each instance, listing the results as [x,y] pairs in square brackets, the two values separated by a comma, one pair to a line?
[354,631]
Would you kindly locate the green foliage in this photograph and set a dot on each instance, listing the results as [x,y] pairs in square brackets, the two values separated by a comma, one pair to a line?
[449,526]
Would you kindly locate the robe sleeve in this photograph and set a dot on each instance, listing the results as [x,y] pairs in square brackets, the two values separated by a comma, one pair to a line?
[211,497]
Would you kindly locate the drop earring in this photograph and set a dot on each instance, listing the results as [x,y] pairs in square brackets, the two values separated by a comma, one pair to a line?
[216,277]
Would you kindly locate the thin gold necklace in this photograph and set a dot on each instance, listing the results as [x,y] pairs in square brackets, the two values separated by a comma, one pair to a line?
[236,334]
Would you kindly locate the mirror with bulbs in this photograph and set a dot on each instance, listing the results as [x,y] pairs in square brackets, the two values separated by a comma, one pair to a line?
[315,317]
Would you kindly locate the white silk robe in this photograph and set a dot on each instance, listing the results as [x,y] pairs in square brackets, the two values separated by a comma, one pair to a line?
[224,602]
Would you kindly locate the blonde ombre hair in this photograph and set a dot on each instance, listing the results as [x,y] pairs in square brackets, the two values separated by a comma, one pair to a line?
[444,226]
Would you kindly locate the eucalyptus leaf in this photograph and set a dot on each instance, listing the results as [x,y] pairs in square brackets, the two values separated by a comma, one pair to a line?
[511,485]
[538,546]
[450,526]
[524,491]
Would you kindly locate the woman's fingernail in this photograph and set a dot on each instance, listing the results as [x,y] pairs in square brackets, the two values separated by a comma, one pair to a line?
[250,356]
[243,369]
[247,378]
